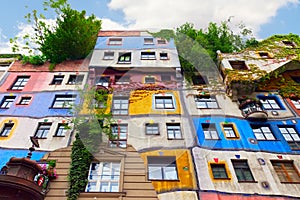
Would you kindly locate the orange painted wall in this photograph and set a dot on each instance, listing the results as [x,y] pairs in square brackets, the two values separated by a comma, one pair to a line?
[292,105]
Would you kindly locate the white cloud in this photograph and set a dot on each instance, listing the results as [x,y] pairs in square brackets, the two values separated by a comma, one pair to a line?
[145,14]
[108,24]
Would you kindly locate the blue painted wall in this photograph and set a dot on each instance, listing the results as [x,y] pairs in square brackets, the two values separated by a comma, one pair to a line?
[6,154]
[245,131]
[132,43]
[40,105]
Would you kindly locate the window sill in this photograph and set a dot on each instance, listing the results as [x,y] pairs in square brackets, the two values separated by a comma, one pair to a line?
[222,179]
[59,136]
[43,138]
[290,182]
[149,134]
[168,180]
[248,181]
[102,194]
[175,139]
[14,90]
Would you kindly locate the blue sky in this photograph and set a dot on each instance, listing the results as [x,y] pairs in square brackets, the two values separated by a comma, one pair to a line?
[264,18]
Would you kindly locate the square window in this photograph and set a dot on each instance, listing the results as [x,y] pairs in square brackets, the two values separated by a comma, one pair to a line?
[229,131]
[122,79]
[104,81]
[148,41]
[108,55]
[262,132]
[115,41]
[119,135]
[6,130]
[210,131]
[163,56]
[162,168]
[164,102]
[25,100]
[42,130]
[269,103]
[174,131]
[152,129]
[149,80]
[238,65]
[103,177]
[124,58]
[219,171]
[288,43]
[7,101]
[242,171]
[165,78]
[75,79]
[199,80]
[286,171]
[296,78]
[161,41]
[148,56]
[264,54]
[296,103]
[291,135]
[20,83]
[64,101]
[61,130]
[203,102]
[57,80]
[120,106]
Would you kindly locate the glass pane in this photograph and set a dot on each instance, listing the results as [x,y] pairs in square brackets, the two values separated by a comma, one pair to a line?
[155,172]
[91,187]
[114,187]
[170,173]
[104,187]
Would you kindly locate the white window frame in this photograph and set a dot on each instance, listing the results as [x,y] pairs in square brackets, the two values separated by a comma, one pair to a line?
[120,105]
[152,129]
[163,102]
[206,102]
[42,130]
[75,79]
[163,56]
[148,41]
[296,103]
[270,103]
[162,168]
[108,55]
[25,100]
[103,80]
[229,131]
[119,132]
[104,174]
[291,135]
[174,131]
[20,83]
[7,102]
[64,101]
[210,131]
[115,41]
[262,132]
[148,55]
[61,130]
[57,79]
[6,130]
[124,58]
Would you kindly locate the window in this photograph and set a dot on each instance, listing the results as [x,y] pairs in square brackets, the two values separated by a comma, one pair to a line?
[122,79]
[199,80]
[161,41]
[238,65]
[174,131]
[288,43]
[165,78]
[43,130]
[108,56]
[103,177]
[20,82]
[163,56]
[164,102]
[269,103]
[6,129]
[296,103]
[242,171]
[152,129]
[229,131]
[210,131]
[115,41]
[25,100]
[120,106]
[57,79]
[75,79]
[124,58]
[206,102]
[61,130]
[147,55]
[119,133]
[219,171]
[162,168]
[148,41]
[149,80]
[286,171]
[264,54]
[291,136]
[7,101]
[64,101]
[262,132]
[104,81]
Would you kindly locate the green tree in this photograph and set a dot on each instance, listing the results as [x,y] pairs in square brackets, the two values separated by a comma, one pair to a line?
[72,37]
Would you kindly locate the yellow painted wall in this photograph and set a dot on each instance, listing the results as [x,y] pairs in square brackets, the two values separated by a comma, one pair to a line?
[141,102]
[185,170]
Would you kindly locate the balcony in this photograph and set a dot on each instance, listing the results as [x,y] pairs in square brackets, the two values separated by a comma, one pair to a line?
[17,180]
[251,110]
